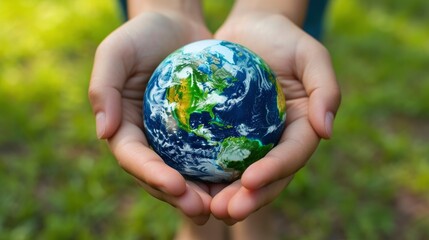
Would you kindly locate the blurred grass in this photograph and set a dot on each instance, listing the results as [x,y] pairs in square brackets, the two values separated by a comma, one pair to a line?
[58,182]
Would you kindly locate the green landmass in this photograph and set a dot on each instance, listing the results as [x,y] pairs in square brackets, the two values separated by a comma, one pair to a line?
[237,153]
[191,94]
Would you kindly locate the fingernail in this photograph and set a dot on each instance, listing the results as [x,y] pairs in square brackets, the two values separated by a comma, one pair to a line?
[329,121]
[100,122]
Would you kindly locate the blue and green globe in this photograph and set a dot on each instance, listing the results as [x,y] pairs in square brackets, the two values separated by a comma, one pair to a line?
[211,109]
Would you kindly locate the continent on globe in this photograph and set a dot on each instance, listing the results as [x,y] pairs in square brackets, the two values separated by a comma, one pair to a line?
[211,109]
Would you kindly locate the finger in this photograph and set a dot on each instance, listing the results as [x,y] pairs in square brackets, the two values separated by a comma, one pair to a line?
[192,203]
[246,201]
[200,220]
[315,70]
[220,207]
[203,191]
[130,148]
[296,146]
[229,221]
[106,103]
[112,65]
[219,204]
[215,188]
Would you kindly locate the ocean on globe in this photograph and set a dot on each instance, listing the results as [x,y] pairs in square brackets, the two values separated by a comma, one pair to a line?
[211,109]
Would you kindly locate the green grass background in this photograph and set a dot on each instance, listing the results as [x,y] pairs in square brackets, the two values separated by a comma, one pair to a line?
[371,181]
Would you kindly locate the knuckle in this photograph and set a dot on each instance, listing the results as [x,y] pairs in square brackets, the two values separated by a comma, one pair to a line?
[103,47]
[94,94]
[320,49]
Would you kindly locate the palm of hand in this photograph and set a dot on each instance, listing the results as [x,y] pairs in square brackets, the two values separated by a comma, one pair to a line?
[148,39]
[276,40]
[284,47]
[123,65]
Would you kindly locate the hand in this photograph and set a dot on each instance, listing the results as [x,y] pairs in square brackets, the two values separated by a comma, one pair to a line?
[123,64]
[304,71]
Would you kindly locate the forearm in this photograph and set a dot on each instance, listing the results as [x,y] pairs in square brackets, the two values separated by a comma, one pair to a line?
[191,8]
[295,10]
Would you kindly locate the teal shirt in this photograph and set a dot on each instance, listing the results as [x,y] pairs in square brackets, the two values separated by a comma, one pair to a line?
[314,20]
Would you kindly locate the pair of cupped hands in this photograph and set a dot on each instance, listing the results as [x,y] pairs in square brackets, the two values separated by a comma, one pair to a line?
[124,62]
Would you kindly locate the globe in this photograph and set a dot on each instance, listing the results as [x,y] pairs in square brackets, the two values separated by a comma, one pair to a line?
[211,109]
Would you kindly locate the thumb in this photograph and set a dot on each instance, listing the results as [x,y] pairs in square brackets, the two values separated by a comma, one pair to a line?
[108,78]
[106,104]
[317,74]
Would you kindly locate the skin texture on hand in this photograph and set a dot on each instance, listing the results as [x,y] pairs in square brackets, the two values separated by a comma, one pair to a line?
[123,64]
[304,71]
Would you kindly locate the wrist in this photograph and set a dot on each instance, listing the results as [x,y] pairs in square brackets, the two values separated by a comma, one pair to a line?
[295,10]
[190,8]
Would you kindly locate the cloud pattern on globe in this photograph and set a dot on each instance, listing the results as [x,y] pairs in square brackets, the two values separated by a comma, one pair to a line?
[211,109]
